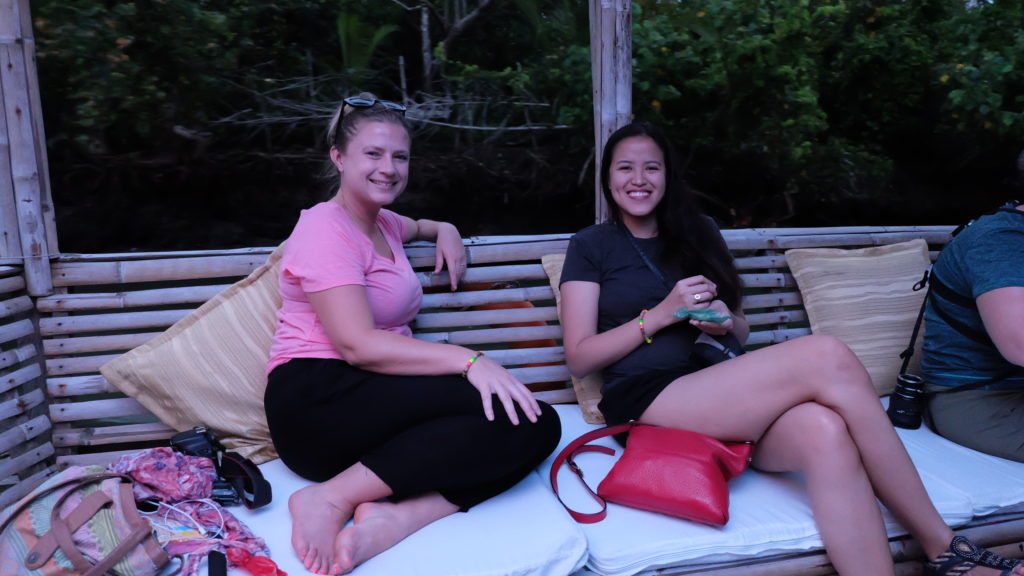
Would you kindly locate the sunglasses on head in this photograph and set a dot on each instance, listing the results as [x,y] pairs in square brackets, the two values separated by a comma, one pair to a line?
[357,102]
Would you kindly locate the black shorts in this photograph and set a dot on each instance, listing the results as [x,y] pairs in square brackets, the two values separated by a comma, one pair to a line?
[628,398]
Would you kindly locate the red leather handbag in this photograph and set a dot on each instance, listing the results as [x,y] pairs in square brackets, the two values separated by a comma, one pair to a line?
[667,470]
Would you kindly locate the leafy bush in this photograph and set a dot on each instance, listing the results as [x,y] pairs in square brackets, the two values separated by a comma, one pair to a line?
[789,112]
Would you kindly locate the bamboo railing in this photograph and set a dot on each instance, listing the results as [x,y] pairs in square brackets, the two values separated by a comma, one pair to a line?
[105,305]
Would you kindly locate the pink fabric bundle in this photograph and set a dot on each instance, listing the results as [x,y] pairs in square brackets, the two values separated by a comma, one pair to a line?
[182,486]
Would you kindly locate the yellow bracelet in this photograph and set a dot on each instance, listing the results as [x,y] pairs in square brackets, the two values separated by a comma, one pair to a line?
[640,321]
[469,364]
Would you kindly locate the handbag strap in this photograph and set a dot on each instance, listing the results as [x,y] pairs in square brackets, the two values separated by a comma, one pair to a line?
[61,529]
[567,455]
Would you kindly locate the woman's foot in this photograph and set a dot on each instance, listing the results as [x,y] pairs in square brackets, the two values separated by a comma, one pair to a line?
[377,527]
[380,525]
[317,519]
[964,558]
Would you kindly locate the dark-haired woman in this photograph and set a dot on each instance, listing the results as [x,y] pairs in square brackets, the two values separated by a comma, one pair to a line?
[353,401]
[808,403]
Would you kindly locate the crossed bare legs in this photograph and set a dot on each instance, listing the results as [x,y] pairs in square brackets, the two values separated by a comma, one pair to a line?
[811,406]
[320,512]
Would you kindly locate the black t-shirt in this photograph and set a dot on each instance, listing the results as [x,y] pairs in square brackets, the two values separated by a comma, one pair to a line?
[602,253]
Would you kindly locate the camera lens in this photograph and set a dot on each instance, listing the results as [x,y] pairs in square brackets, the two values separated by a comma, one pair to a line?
[906,402]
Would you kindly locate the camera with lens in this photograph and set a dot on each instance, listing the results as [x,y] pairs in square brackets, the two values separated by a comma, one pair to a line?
[199,441]
[907,402]
[239,480]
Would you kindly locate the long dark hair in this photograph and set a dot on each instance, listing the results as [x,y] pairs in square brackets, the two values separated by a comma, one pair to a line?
[689,239]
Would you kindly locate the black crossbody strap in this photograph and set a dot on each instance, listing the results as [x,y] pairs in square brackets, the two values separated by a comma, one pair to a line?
[932,282]
[645,258]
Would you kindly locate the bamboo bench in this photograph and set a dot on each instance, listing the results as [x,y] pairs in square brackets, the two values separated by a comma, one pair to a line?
[56,409]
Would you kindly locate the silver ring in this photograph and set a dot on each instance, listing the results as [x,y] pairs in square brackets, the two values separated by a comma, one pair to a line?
[696,297]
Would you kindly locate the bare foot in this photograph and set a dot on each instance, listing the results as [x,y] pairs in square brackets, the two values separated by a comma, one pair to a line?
[377,527]
[316,521]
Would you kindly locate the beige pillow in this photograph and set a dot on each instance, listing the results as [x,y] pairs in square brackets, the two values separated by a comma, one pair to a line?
[209,368]
[865,298]
[588,389]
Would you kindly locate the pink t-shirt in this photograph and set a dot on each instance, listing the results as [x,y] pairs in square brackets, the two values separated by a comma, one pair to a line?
[326,250]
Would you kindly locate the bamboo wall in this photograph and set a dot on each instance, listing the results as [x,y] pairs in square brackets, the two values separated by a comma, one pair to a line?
[27,238]
[26,451]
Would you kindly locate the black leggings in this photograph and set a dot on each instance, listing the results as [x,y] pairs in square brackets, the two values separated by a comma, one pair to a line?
[418,434]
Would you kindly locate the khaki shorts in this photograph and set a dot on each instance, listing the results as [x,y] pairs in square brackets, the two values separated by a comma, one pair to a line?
[989,421]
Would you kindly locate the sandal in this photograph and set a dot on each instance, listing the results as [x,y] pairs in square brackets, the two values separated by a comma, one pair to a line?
[964,555]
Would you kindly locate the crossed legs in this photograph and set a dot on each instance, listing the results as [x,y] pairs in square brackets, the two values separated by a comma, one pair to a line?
[365,437]
[811,406]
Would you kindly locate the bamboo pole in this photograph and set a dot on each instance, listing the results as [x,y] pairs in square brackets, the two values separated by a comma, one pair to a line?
[196,295]
[70,386]
[10,239]
[19,377]
[12,283]
[95,343]
[21,404]
[611,52]
[22,433]
[25,460]
[27,187]
[16,330]
[94,409]
[69,437]
[26,485]
[18,355]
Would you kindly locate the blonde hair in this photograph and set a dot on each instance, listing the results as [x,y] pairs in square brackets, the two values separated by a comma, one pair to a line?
[344,123]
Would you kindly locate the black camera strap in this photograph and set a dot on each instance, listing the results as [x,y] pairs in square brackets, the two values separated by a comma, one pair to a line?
[246,478]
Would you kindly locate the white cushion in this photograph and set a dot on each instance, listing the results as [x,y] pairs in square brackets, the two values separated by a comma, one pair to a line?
[523,531]
[967,471]
[769,513]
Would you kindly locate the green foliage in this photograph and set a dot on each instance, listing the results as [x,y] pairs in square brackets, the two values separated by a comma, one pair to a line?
[816,103]
[359,42]
[787,111]
[121,76]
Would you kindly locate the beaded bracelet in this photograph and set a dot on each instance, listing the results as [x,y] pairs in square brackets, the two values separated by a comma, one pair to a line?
[472,360]
[640,321]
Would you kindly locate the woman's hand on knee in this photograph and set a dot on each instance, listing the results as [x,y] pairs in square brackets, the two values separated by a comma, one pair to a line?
[492,379]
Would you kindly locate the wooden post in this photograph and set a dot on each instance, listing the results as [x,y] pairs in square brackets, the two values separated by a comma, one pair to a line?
[611,53]
[28,233]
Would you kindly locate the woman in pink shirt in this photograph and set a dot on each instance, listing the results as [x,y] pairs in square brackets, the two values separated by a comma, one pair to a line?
[353,401]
